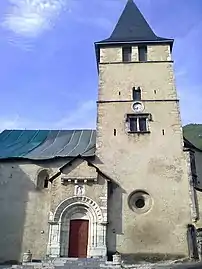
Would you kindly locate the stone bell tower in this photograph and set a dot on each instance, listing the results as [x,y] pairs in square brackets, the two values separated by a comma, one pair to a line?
[140,142]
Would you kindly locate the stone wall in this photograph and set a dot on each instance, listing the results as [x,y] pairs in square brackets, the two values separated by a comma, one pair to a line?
[152,163]
[24,211]
[198,161]
[132,75]
[155,53]
[78,170]
[25,208]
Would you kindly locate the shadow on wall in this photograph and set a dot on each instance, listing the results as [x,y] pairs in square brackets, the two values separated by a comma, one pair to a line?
[198,168]
[115,195]
[15,186]
[131,258]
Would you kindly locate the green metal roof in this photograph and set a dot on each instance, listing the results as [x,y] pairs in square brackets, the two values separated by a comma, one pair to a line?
[193,133]
[49,144]
[46,144]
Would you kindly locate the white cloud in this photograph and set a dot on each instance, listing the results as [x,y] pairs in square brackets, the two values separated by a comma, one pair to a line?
[9,122]
[84,117]
[29,18]
[180,73]
[16,122]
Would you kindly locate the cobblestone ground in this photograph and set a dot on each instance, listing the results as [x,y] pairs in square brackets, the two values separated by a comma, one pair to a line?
[168,265]
[83,265]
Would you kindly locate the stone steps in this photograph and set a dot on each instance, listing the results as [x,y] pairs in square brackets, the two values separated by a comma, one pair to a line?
[71,263]
[88,262]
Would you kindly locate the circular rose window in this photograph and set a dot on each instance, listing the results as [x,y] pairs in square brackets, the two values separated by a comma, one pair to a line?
[140,201]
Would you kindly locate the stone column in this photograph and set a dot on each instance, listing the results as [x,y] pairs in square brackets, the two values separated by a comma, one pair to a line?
[54,240]
[104,233]
[98,248]
[102,227]
[99,235]
[101,239]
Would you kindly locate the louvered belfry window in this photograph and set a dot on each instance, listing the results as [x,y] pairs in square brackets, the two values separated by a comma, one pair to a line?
[142,51]
[127,54]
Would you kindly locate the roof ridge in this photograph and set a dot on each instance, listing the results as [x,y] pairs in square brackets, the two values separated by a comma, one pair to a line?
[48,130]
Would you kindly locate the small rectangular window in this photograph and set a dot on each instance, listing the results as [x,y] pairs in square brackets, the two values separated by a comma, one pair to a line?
[127,54]
[142,51]
[136,94]
[138,124]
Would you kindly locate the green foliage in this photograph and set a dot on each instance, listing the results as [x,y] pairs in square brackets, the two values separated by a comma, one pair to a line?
[193,133]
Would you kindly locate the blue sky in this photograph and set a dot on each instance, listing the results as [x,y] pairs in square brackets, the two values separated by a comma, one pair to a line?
[48,71]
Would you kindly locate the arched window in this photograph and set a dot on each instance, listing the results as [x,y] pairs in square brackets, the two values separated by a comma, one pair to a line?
[136,94]
[43,179]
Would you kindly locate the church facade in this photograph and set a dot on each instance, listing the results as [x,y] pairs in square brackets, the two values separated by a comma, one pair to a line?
[128,186]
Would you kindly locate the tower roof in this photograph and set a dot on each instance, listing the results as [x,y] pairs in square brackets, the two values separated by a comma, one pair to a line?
[133,28]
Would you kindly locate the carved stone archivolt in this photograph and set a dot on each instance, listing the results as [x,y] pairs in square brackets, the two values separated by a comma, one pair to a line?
[76,200]
[77,207]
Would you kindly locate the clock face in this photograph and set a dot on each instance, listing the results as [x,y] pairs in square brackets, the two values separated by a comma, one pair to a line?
[138,107]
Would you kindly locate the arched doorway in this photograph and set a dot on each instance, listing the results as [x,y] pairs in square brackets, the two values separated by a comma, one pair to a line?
[77,229]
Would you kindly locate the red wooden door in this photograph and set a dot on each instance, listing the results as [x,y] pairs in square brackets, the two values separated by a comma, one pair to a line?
[78,238]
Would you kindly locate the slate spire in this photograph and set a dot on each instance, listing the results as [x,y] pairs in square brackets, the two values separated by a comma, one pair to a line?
[132,28]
